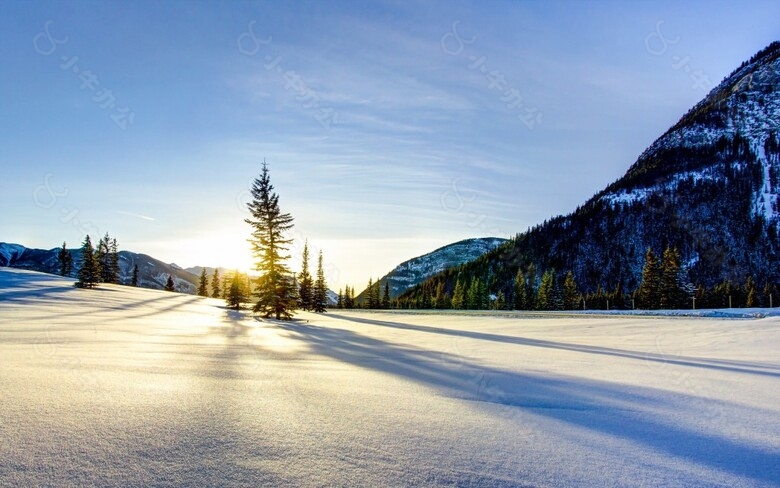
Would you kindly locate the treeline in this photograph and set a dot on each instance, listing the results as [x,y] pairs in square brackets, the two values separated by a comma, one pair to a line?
[376,297]
[664,285]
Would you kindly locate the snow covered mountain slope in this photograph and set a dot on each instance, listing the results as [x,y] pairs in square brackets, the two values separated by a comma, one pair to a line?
[416,270]
[152,273]
[708,186]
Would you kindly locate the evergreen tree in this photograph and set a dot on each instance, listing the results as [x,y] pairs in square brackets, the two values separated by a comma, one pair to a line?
[571,295]
[306,290]
[376,301]
[340,301]
[459,296]
[386,296]
[134,280]
[520,291]
[546,297]
[170,285]
[672,293]
[226,280]
[368,300]
[751,295]
[320,288]
[112,262]
[648,291]
[203,284]
[66,261]
[236,293]
[89,273]
[216,291]
[348,303]
[275,291]
[500,302]
[769,295]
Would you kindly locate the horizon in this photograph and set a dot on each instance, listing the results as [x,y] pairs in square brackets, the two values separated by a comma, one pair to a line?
[420,142]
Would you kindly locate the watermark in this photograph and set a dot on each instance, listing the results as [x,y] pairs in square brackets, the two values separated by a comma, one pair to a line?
[530,116]
[104,98]
[484,388]
[45,196]
[332,273]
[657,44]
[455,202]
[48,347]
[658,360]
[327,117]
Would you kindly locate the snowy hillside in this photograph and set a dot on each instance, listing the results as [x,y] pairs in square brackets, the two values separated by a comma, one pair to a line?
[416,270]
[122,386]
[709,186]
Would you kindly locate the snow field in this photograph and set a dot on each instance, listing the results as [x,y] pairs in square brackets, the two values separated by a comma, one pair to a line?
[130,387]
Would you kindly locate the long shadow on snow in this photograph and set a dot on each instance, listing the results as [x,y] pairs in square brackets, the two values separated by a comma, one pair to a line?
[721,365]
[617,410]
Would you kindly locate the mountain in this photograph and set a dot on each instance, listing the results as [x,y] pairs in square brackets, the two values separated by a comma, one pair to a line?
[709,186]
[416,270]
[152,273]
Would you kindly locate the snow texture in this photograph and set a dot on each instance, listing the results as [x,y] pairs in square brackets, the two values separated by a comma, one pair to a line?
[121,386]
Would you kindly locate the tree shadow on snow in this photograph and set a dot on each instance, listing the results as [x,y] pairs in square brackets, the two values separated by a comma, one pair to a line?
[639,414]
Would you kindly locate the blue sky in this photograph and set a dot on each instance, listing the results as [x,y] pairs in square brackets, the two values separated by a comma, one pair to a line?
[423,152]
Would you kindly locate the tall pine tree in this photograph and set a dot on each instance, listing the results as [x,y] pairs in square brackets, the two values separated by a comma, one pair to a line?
[170,285]
[306,286]
[89,273]
[275,290]
[216,290]
[320,288]
[66,261]
[520,291]
[134,279]
[236,291]
[672,292]
[203,284]
[648,293]
[571,295]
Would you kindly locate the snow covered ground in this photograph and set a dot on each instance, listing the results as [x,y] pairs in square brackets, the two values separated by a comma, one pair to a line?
[132,387]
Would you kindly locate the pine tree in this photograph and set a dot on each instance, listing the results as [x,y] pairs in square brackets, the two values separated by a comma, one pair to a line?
[107,254]
[520,292]
[571,295]
[751,295]
[500,302]
[546,299]
[386,295]
[112,261]
[648,291]
[66,261]
[170,285]
[89,273]
[216,291]
[459,296]
[340,301]
[203,284]
[306,292]
[769,295]
[134,281]
[236,294]
[225,286]
[275,291]
[320,288]
[672,292]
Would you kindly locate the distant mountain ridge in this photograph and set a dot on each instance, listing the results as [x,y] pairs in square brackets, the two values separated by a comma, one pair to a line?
[416,270]
[152,273]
